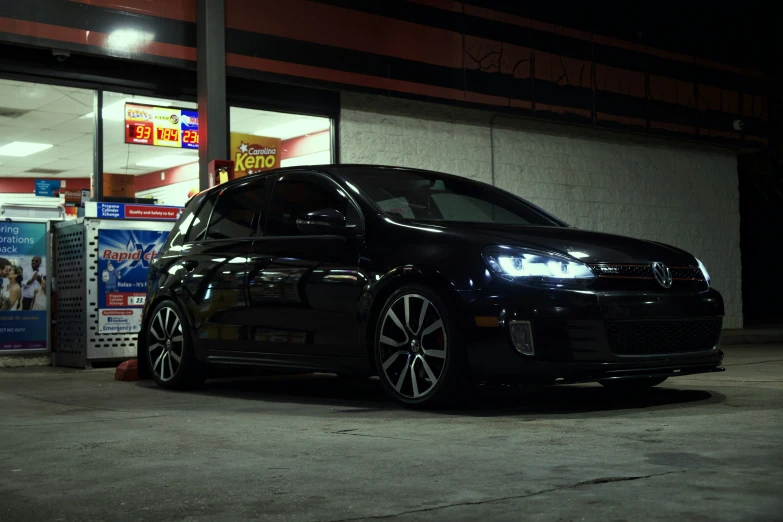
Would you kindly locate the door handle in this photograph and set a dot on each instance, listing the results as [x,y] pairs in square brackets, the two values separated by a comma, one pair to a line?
[190,265]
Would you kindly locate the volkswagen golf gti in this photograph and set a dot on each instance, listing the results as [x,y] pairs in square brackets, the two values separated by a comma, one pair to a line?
[432,282]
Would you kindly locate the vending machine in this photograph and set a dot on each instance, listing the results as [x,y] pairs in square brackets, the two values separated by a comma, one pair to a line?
[101,263]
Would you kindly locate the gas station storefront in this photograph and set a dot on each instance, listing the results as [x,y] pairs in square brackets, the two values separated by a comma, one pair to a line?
[92,236]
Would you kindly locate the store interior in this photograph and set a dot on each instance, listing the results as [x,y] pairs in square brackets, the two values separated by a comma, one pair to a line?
[46,132]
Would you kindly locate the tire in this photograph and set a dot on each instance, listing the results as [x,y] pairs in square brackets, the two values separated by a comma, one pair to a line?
[417,350]
[169,339]
[633,384]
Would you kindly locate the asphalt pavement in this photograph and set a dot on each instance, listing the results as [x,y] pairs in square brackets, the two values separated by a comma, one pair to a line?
[77,445]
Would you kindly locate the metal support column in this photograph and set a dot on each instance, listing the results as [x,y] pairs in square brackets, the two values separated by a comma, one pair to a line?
[97,146]
[212,105]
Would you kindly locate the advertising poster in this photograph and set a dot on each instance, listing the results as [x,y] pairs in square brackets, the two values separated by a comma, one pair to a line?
[23,290]
[123,259]
[48,188]
[253,154]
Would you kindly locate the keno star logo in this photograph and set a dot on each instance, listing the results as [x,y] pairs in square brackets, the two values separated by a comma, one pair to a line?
[243,147]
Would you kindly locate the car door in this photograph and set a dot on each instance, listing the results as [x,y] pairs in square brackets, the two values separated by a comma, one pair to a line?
[214,265]
[304,281]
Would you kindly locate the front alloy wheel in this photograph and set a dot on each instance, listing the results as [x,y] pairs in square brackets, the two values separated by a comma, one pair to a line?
[413,347]
[169,355]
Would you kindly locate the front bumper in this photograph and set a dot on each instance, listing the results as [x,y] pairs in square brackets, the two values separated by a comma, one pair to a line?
[575,339]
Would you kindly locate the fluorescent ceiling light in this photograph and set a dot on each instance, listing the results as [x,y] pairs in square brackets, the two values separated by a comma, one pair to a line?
[170,160]
[128,39]
[293,129]
[23,148]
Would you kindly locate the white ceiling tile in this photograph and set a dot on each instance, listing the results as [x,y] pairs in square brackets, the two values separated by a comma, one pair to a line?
[78,144]
[48,136]
[77,125]
[27,162]
[68,165]
[30,96]
[45,120]
[74,174]
[9,134]
[79,103]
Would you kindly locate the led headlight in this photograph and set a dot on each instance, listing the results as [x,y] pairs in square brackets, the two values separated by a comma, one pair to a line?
[524,264]
[704,271]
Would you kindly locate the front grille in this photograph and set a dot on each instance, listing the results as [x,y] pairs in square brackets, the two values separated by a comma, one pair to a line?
[645,272]
[634,271]
[686,273]
[662,337]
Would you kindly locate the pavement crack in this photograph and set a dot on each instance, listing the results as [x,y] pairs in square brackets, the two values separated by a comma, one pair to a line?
[373,436]
[602,480]
[63,403]
[754,362]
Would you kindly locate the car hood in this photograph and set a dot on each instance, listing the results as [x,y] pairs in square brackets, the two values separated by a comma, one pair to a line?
[587,246]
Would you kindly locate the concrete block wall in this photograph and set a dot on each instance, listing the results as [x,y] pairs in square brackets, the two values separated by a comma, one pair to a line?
[680,194]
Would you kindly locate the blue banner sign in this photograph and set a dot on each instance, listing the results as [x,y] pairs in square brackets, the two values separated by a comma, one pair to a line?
[48,188]
[23,286]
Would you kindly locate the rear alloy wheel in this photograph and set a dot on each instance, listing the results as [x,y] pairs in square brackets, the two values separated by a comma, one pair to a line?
[415,349]
[633,384]
[169,355]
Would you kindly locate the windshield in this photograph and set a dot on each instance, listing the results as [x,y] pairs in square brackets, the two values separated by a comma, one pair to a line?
[429,196]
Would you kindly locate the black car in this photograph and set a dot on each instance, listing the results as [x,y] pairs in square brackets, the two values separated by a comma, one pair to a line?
[428,280]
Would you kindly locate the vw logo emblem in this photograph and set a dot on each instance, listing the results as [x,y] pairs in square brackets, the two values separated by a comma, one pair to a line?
[662,274]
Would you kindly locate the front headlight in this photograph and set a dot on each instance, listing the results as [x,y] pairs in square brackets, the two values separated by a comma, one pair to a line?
[527,265]
[704,271]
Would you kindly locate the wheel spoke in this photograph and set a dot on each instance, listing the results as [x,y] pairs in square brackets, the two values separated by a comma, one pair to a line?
[421,316]
[391,315]
[403,374]
[176,357]
[391,342]
[434,326]
[155,333]
[428,371]
[167,323]
[388,362]
[163,367]
[174,325]
[171,368]
[157,361]
[159,317]
[414,383]
[154,347]
[440,354]
[176,339]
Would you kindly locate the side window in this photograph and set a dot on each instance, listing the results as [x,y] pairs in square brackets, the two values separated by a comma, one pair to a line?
[293,197]
[199,226]
[235,213]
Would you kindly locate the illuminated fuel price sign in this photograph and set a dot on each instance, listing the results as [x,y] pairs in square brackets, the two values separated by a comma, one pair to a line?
[161,126]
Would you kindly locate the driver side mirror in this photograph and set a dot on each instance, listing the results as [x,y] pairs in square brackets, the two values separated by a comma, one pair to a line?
[324,221]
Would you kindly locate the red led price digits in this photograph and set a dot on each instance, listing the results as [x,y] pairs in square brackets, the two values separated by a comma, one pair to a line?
[167,134]
[190,137]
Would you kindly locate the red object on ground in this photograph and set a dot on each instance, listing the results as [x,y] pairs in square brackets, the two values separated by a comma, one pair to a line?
[127,371]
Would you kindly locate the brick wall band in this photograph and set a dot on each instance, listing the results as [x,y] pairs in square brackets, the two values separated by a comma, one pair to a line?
[682,195]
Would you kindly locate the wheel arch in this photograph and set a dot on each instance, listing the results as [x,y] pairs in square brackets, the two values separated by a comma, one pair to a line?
[141,341]
[390,282]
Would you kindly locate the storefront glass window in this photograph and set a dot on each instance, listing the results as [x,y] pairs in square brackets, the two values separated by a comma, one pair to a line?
[261,140]
[46,147]
[149,148]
